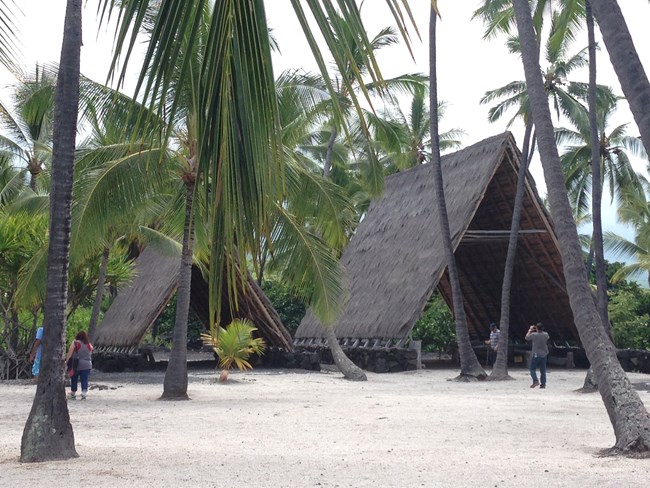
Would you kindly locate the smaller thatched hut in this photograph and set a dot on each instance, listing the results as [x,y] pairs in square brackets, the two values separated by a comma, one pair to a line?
[137,305]
[396,259]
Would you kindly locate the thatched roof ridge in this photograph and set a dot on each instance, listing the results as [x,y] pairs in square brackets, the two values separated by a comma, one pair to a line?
[396,258]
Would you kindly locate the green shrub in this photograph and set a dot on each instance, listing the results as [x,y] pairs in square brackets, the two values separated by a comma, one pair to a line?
[290,309]
[163,328]
[436,328]
[628,313]
[78,321]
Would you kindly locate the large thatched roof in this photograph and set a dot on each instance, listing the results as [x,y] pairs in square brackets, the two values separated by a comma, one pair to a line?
[396,258]
[137,305]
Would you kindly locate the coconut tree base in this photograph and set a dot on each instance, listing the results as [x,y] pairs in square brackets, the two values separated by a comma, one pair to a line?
[591,383]
[350,370]
[48,433]
[638,450]
[223,377]
[468,378]
[174,397]
[499,377]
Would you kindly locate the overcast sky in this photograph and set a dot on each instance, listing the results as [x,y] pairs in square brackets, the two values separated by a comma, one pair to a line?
[467,65]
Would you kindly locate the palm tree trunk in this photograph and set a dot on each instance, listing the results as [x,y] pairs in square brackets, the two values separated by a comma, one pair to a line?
[596,186]
[13,322]
[99,294]
[626,412]
[626,62]
[48,433]
[329,154]
[175,384]
[500,369]
[350,370]
[591,382]
[590,257]
[469,365]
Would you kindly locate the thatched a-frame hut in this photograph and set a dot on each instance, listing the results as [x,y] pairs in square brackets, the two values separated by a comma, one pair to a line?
[137,305]
[396,259]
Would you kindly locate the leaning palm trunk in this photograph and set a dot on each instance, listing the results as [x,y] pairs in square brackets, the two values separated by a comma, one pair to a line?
[500,370]
[626,412]
[469,365]
[99,294]
[626,62]
[48,433]
[350,370]
[175,384]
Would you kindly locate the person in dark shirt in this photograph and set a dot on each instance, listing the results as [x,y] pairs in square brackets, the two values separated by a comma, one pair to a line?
[539,342]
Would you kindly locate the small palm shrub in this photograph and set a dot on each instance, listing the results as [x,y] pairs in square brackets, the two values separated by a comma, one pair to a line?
[234,345]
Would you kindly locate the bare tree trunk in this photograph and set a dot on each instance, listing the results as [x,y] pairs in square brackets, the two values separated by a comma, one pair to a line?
[175,384]
[626,411]
[350,370]
[500,369]
[99,294]
[469,365]
[48,433]
[626,62]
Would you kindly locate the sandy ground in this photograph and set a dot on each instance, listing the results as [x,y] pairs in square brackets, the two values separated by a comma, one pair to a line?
[298,429]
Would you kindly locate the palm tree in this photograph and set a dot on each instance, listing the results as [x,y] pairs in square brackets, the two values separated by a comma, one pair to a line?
[236,49]
[8,47]
[21,233]
[403,139]
[246,43]
[469,365]
[629,417]
[562,93]
[597,189]
[322,215]
[234,346]
[499,17]
[626,62]
[12,180]
[119,181]
[612,148]
[30,129]
[48,432]
[585,175]
[613,163]
[636,212]
[353,74]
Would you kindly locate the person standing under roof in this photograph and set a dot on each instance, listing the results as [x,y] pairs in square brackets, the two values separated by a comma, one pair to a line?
[539,341]
[493,342]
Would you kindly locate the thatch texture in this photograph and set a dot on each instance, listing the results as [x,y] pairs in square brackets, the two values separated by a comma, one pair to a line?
[396,258]
[137,306]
